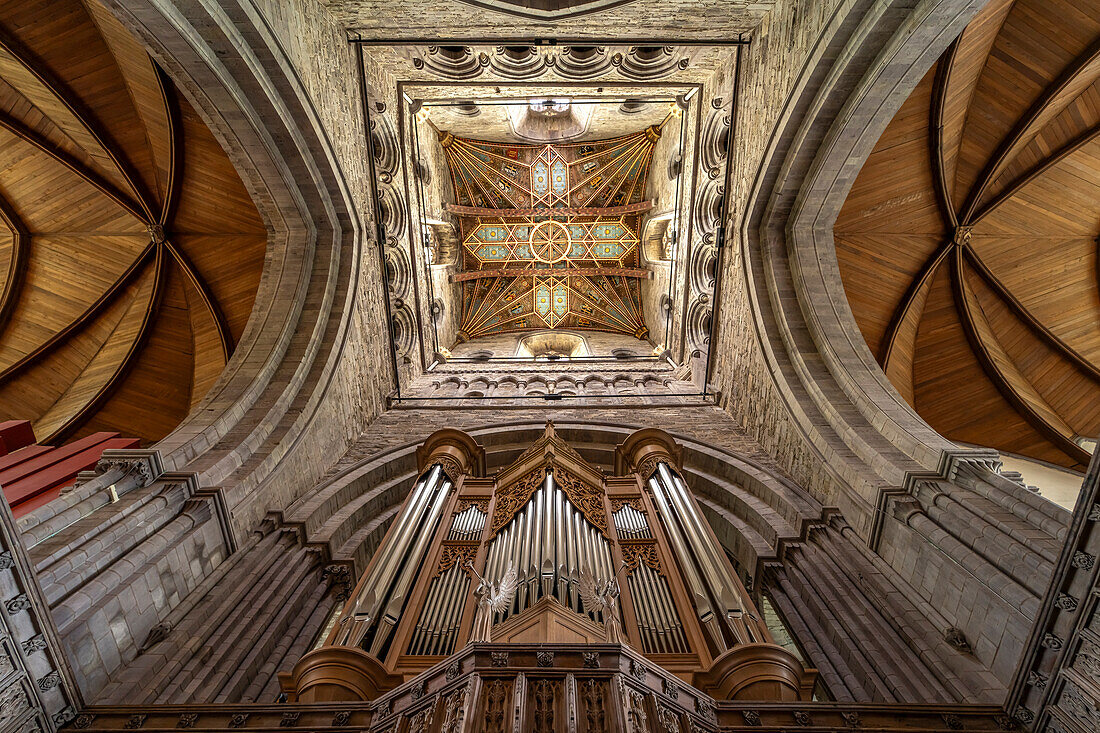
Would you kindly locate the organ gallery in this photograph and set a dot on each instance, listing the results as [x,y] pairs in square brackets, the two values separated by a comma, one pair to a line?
[549,560]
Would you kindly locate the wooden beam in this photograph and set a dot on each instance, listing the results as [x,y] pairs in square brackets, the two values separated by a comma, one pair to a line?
[176,158]
[29,136]
[1037,170]
[1054,98]
[104,393]
[17,264]
[1008,380]
[64,108]
[935,135]
[636,272]
[919,284]
[1020,310]
[224,335]
[90,313]
[637,208]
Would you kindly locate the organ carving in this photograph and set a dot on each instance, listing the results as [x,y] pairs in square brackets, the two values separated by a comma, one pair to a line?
[552,551]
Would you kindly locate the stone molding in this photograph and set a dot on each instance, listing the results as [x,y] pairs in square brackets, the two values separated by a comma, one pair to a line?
[1057,685]
[37,688]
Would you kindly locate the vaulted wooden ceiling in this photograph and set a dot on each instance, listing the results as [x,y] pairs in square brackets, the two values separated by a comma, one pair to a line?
[968,244]
[130,252]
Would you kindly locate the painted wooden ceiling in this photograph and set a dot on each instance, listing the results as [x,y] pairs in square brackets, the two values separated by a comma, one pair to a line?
[968,244]
[550,233]
[130,251]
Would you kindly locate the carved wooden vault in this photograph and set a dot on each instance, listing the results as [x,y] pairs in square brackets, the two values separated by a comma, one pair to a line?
[550,233]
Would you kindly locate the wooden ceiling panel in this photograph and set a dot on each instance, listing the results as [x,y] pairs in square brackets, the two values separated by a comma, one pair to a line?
[141,250]
[106,365]
[877,271]
[965,63]
[228,265]
[1074,181]
[1058,381]
[884,197]
[163,368]
[1039,42]
[996,339]
[212,198]
[42,382]
[1060,291]
[65,275]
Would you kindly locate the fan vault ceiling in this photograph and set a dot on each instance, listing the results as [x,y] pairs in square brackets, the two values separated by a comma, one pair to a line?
[129,250]
[968,244]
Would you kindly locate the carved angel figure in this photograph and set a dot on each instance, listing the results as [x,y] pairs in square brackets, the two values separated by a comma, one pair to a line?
[491,598]
[603,597]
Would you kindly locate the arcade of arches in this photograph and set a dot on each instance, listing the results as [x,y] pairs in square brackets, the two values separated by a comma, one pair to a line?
[430,366]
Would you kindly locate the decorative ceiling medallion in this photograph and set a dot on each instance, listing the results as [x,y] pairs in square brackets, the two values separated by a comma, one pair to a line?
[547,9]
[550,242]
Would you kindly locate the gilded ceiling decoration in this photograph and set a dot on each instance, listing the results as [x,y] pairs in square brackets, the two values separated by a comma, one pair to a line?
[550,233]
[129,250]
[968,244]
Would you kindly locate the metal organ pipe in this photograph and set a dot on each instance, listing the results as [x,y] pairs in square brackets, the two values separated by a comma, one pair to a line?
[408,572]
[706,553]
[549,542]
[365,610]
[703,608]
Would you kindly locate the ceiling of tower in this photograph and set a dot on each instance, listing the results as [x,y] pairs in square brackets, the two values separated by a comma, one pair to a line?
[968,244]
[129,250]
[550,232]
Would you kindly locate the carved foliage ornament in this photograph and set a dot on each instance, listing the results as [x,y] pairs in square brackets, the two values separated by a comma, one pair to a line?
[636,552]
[587,499]
[513,498]
[481,503]
[456,553]
[635,502]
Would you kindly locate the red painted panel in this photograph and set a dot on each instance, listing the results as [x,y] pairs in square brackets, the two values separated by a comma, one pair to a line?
[23,454]
[58,469]
[57,454]
[15,434]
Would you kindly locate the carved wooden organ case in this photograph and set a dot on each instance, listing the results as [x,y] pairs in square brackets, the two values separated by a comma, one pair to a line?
[559,525]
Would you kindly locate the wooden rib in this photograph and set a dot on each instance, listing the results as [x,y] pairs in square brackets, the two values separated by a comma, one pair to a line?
[175,159]
[901,313]
[935,135]
[63,108]
[104,393]
[80,321]
[1053,99]
[1035,171]
[17,264]
[1000,369]
[1020,310]
[197,281]
[29,136]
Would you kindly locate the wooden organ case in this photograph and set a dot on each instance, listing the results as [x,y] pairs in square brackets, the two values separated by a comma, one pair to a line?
[574,562]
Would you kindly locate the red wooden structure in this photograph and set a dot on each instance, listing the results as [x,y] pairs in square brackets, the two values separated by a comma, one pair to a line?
[32,475]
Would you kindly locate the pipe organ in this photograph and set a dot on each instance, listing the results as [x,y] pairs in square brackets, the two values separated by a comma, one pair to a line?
[550,550]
